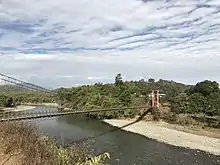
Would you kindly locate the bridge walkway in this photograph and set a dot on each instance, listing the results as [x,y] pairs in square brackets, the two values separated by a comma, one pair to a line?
[10,116]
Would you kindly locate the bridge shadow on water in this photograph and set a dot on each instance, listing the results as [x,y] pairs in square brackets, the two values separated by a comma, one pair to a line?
[114,129]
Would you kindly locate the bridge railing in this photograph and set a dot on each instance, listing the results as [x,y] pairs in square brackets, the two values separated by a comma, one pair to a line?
[8,80]
[4,116]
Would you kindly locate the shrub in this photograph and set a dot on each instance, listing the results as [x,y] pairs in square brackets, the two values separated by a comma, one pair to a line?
[170,117]
[19,137]
[156,114]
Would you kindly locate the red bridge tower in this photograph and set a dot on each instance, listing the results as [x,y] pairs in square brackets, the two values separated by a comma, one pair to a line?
[155,98]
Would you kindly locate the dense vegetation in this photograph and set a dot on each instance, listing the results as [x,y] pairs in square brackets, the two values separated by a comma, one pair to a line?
[119,94]
[202,98]
[11,95]
[22,144]
[6,101]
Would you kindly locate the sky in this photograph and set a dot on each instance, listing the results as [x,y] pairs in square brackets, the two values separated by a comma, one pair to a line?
[74,42]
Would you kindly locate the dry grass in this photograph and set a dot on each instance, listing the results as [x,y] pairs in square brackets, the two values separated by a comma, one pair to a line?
[24,142]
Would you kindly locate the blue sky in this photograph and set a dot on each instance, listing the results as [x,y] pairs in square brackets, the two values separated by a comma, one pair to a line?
[71,42]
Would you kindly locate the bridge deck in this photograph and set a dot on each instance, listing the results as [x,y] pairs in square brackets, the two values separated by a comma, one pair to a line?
[9,116]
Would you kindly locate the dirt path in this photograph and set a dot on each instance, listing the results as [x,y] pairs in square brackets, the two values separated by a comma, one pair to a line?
[170,136]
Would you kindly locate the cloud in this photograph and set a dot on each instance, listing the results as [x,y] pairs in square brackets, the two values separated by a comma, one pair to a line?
[87,41]
[80,69]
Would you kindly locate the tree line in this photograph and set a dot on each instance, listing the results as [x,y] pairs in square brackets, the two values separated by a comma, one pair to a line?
[204,97]
[15,98]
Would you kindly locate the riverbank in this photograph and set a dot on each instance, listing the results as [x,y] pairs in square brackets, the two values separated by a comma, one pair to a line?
[51,105]
[160,132]
[18,108]
[22,144]
[42,104]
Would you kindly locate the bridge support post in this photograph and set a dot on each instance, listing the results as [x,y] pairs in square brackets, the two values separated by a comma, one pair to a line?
[152,98]
[155,98]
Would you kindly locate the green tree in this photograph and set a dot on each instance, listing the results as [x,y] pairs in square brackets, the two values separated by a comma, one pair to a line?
[9,102]
[205,88]
[6,101]
[118,80]
[180,104]
[125,97]
[3,100]
[198,103]
[214,104]
[151,80]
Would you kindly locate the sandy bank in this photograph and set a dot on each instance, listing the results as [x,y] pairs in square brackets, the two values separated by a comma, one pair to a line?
[170,136]
[42,104]
[19,108]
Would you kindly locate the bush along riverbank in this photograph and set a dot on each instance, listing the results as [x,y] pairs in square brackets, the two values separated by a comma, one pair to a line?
[22,144]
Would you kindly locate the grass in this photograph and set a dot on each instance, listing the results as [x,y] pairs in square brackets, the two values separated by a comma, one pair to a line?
[25,141]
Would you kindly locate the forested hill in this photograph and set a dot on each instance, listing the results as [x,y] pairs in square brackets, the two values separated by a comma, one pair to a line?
[12,95]
[204,97]
[141,87]
[119,93]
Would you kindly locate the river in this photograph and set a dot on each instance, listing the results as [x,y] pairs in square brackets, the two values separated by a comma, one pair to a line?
[125,148]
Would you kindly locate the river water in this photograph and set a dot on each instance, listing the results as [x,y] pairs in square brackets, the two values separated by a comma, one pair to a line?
[125,148]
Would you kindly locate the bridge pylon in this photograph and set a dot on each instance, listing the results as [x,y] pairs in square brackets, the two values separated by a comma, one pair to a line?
[155,98]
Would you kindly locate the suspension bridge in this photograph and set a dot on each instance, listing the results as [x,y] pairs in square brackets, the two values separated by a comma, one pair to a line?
[9,116]
[10,84]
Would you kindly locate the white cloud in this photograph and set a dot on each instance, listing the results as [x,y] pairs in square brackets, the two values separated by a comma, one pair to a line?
[83,41]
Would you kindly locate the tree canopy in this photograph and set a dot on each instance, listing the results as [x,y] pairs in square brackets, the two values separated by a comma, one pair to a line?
[204,97]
